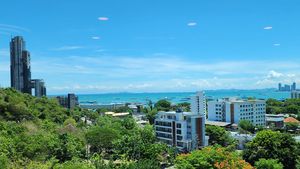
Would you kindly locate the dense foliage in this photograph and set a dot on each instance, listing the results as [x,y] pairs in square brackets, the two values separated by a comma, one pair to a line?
[218,135]
[272,145]
[245,126]
[39,133]
[268,164]
[211,158]
[289,106]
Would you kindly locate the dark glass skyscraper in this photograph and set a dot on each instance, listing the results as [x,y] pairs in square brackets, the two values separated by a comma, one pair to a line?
[20,73]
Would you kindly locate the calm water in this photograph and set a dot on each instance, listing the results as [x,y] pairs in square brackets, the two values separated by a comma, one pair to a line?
[179,97]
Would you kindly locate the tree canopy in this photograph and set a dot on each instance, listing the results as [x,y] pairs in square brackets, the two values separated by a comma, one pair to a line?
[272,145]
[214,157]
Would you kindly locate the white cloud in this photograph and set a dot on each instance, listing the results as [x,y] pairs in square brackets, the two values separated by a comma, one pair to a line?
[9,29]
[273,78]
[268,28]
[102,18]
[192,24]
[273,74]
[161,72]
[96,37]
[276,44]
[65,48]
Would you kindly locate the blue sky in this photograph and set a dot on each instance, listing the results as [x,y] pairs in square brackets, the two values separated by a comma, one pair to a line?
[98,46]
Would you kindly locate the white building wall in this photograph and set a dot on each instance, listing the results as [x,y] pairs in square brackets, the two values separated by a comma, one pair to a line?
[253,111]
[198,103]
[211,107]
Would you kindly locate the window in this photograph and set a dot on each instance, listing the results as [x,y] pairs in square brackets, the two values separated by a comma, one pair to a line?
[179,137]
[178,125]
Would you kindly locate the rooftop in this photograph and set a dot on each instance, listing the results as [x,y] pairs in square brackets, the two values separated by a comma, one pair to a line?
[217,123]
[291,120]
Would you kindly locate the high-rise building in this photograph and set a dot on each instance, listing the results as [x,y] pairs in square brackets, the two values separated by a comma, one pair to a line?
[286,87]
[198,103]
[184,130]
[69,101]
[20,73]
[293,86]
[39,87]
[72,100]
[295,94]
[279,86]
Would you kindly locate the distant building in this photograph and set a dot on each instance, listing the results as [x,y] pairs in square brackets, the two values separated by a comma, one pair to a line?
[293,88]
[295,94]
[70,101]
[119,115]
[39,87]
[198,103]
[286,87]
[20,73]
[279,86]
[20,70]
[275,120]
[232,110]
[94,106]
[184,130]
[242,139]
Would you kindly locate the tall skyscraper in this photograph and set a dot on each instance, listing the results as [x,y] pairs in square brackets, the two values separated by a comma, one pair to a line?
[279,86]
[39,87]
[293,86]
[20,73]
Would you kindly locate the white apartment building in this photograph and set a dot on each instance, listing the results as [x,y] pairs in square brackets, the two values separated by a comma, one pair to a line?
[184,130]
[233,110]
[295,94]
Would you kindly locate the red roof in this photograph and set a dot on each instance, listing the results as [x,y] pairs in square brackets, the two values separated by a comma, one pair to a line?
[291,120]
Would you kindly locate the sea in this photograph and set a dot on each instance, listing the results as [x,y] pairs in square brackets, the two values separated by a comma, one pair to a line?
[178,97]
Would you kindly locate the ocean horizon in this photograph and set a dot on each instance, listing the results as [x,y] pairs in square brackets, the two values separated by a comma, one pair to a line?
[177,97]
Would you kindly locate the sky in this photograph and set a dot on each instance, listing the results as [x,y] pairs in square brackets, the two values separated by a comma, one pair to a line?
[101,46]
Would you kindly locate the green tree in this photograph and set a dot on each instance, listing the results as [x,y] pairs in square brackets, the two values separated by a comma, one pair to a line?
[163,105]
[150,114]
[272,145]
[291,109]
[218,135]
[291,126]
[214,157]
[70,121]
[268,164]
[101,138]
[3,161]
[246,126]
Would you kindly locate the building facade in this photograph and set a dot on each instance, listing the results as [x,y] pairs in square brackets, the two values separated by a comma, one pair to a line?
[20,69]
[20,73]
[39,87]
[70,101]
[295,94]
[233,110]
[275,120]
[183,130]
[198,103]
[287,87]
